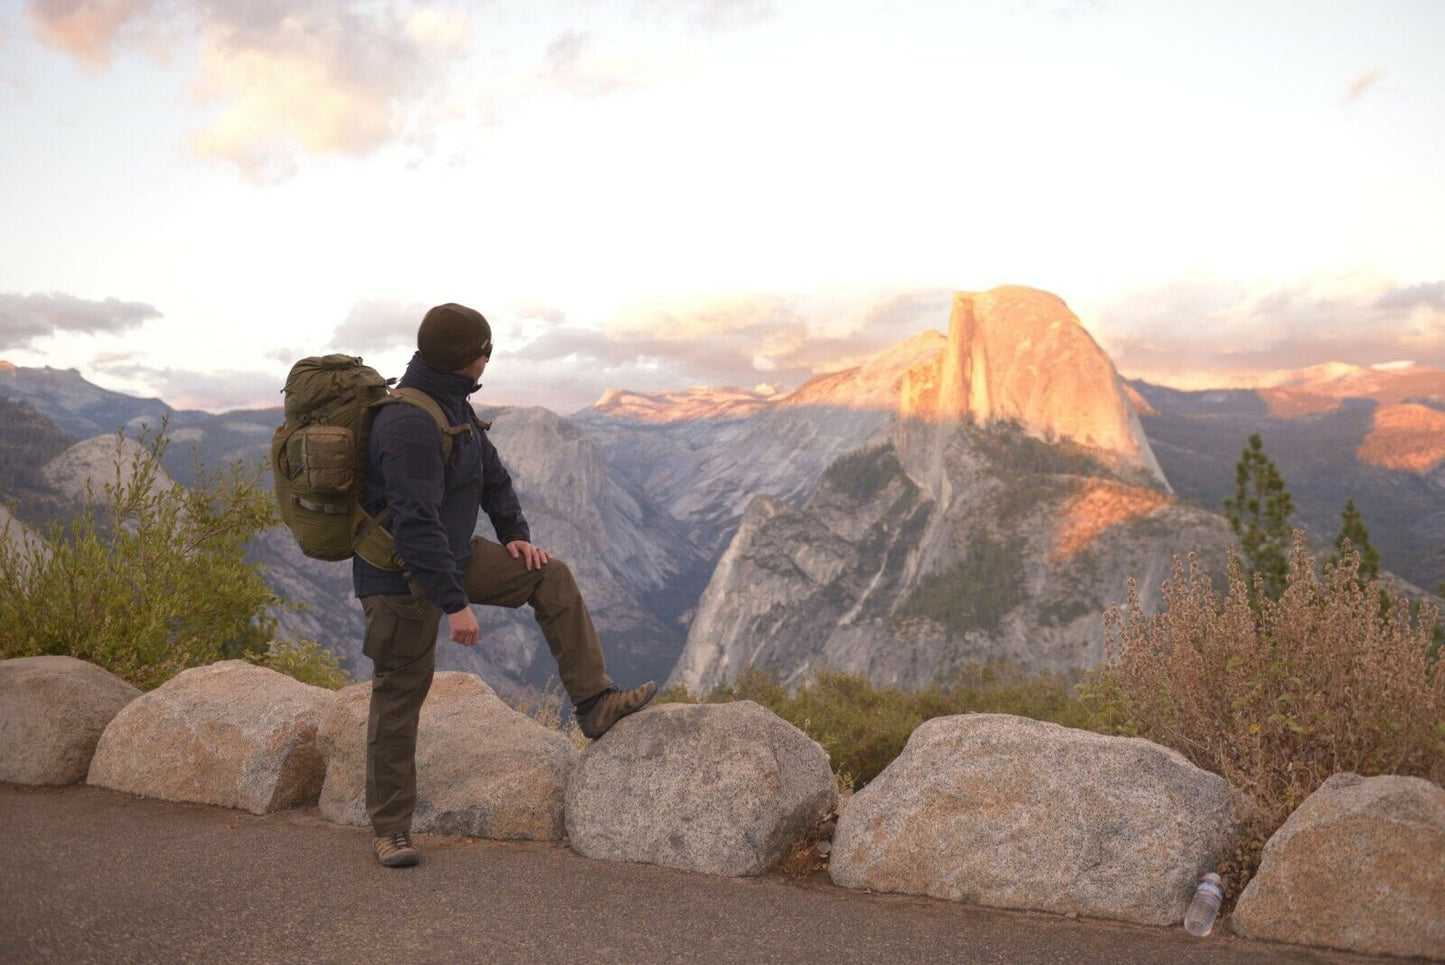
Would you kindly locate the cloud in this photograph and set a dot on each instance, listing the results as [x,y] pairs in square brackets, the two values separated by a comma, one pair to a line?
[376,325]
[546,314]
[104,359]
[709,14]
[1216,332]
[213,391]
[284,78]
[24,318]
[1362,83]
[735,341]
[85,29]
[576,63]
[1430,294]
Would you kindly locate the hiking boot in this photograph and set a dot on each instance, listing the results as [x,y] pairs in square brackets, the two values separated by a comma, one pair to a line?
[611,706]
[396,850]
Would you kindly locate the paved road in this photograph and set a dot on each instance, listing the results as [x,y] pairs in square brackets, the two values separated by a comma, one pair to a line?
[94,876]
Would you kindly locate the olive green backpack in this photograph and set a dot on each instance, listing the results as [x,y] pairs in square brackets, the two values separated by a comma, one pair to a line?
[318,456]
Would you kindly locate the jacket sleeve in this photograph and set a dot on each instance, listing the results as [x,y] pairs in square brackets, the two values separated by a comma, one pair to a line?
[499,499]
[410,448]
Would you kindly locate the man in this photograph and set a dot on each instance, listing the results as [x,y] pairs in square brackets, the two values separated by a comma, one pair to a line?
[432,514]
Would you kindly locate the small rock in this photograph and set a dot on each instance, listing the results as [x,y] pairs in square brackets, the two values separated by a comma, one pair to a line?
[52,713]
[1360,865]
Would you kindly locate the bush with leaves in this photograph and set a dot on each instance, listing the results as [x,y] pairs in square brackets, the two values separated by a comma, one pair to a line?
[1277,695]
[864,727]
[305,660]
[149,577]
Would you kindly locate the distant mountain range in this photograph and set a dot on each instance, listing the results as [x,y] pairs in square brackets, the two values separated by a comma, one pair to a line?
[984,494]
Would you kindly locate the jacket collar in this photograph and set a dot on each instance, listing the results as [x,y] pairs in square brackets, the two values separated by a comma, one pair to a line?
[442,386]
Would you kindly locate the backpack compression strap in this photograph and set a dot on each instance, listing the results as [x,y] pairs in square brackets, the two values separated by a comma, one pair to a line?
[372,542]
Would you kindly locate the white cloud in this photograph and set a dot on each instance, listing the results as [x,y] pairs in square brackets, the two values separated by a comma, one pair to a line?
[1199,332]
[281,78]
[24,318]
[378,324]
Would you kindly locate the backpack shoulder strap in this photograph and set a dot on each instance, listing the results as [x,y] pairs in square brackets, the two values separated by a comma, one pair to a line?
[419,399]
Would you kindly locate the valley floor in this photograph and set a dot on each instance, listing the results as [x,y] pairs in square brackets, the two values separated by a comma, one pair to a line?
[93,875]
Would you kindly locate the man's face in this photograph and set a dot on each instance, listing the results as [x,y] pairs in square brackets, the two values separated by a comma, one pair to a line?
[475,370]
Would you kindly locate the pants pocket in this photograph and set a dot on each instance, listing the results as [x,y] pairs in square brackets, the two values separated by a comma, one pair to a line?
[398,630]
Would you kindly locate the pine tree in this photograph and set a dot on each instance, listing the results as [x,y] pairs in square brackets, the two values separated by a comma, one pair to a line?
[1259,515]
[1352,528]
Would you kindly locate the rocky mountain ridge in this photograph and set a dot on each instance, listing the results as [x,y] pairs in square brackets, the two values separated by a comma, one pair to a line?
[1003,509]
[652,496]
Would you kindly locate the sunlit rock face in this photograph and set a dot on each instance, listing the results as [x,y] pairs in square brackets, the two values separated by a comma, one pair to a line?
[1018,355]
[1407,437]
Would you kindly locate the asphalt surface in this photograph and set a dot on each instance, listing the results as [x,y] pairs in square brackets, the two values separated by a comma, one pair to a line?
[88,875]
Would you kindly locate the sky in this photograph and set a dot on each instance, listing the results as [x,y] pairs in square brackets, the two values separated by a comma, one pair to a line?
[654,194]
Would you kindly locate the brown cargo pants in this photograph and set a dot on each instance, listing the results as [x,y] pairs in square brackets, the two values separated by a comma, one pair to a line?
[401,636]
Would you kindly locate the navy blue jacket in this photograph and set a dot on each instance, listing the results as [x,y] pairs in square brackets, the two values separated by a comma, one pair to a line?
[434,509]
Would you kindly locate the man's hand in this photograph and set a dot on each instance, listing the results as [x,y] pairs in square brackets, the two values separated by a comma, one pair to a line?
[535,556]
[463,625]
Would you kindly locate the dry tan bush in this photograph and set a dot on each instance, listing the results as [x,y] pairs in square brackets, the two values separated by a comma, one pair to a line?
[1276,696]
[546,705]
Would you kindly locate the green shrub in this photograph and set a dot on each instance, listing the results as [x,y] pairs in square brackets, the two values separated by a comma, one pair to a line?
[1277,695]
[306,660]
[148,578]
[863,727]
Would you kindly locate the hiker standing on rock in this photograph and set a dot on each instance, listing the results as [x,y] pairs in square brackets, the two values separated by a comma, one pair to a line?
[431,512]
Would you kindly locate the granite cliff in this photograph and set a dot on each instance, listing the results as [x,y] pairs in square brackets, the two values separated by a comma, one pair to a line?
[1010,500]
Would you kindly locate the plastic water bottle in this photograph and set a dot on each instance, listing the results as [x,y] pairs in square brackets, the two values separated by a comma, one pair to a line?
[1199,919]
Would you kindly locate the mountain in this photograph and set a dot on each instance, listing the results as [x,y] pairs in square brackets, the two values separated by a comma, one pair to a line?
[1005,506]
[79,408]
[28,440]
[702,471]
[1337,432]
[980,494]
[637,567]
[1018,356]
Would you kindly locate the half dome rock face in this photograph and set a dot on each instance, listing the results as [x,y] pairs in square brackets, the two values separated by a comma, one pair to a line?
[1019,355]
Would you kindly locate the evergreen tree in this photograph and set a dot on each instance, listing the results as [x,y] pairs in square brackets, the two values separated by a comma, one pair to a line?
[1352,528]
[1259,515]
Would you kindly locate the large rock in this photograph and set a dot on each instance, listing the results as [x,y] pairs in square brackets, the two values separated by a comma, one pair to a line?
[483,769]
[230,733]
[1360,865]
[723,789]
[1018,813]
[52,713]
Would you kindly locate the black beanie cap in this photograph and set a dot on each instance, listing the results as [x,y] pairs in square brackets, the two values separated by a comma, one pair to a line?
[453,336]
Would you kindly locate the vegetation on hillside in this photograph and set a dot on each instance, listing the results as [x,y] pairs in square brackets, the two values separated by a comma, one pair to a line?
[150,578]
[28,440]
[1278,695]
[975,593]
[864,472]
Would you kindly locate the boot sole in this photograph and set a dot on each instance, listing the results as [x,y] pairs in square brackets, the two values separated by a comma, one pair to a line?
[590,735]
[402,860]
